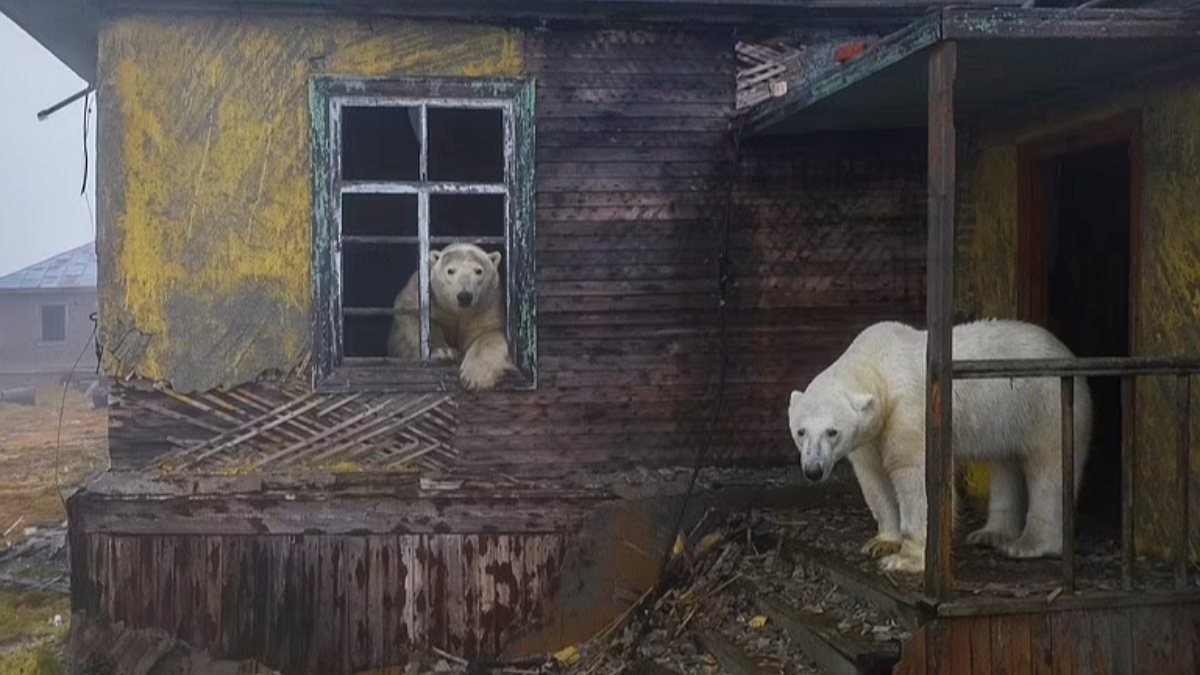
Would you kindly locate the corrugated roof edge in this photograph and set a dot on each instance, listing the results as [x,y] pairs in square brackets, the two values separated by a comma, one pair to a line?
[74,268]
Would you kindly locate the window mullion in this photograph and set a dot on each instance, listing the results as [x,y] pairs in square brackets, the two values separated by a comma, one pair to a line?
[423,235]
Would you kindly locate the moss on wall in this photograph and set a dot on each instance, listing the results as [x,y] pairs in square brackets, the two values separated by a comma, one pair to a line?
[1169,274]
[205,199]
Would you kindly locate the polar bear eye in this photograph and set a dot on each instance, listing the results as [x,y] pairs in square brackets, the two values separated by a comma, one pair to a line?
[450,271]
[478,271]
[800,433]
[832,433]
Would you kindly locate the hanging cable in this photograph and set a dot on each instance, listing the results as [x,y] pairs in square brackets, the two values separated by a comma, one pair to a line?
[724,275]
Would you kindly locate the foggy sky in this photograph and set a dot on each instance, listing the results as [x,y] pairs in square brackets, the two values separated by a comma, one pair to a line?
[41,163]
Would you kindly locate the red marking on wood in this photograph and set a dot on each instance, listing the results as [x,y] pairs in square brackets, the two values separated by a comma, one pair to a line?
[849,51]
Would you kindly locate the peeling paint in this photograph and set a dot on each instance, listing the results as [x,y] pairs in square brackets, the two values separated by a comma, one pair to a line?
[205,201]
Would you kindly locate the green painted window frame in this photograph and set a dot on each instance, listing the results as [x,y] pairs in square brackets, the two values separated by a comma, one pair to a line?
[331,369]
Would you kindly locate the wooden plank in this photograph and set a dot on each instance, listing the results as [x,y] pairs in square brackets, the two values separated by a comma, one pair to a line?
[1092,600]
[948,646]
[1011,645]
[1181,544]
[981,645]
[1041,644]
[1099,644]
[733,659]
[914,658]
[1067,417]
[1121,634]
[835,653]
[1156,647]
[1047,23]
[940,320]
[876,591]
[1068,637]
[1128,480]
[886,52]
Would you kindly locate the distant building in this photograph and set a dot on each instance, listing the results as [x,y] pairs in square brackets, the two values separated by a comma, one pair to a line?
[46,318]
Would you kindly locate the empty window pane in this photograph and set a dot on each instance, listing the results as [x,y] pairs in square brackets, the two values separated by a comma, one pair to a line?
[54,323]
[466,215]
[379,215]
[372,274]
[380,143]
[366,336]
[466,144]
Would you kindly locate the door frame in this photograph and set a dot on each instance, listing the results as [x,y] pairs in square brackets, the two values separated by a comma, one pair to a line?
[1033,184]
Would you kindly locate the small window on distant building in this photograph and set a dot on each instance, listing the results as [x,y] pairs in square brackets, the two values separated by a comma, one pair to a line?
[404,170]
[54,323]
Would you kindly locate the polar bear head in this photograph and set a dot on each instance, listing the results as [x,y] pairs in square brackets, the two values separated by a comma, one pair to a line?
[463,276]
[827,426]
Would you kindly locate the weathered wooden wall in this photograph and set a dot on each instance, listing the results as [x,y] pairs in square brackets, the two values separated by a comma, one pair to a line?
[320,604]
[1168,313]
[205,204]
[633,164]
[1158,640]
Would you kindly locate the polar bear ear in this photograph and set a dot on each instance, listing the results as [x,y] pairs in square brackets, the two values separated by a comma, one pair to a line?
[796,394]
[434,256]
[862,402]
[494,256]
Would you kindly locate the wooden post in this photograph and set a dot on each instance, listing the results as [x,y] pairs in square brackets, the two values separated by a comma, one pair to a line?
[1068,484]
[1183,474]
[939,314]
[1127,468]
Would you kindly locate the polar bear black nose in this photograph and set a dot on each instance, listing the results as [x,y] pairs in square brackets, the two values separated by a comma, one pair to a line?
[813,473]
[464,299]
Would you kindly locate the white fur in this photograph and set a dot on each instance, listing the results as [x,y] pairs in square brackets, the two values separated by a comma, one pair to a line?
[474,331]
[873,400]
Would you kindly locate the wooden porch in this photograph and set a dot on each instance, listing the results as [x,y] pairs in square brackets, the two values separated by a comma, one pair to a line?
[1103,607]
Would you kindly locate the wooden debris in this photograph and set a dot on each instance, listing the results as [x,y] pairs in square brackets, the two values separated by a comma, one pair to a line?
[764,71]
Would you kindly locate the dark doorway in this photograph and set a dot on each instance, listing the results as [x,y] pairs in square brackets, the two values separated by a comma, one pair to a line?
[1079,195]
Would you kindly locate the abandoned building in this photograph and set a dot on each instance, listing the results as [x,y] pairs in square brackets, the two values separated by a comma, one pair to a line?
[47,315]
[696,205]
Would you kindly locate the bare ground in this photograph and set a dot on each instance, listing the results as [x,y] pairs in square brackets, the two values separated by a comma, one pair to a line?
[39,464]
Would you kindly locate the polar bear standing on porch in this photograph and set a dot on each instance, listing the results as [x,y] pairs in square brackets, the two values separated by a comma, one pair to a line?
[466,315]
[869,406]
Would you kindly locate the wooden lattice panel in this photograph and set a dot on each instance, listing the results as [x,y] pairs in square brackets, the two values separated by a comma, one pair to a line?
[281,426]
[763,71]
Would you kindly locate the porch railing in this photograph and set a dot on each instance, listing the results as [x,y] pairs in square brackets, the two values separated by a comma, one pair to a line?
[1127,369]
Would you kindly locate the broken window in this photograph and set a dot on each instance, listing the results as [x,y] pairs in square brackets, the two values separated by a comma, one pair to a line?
[423,229]
[53,322]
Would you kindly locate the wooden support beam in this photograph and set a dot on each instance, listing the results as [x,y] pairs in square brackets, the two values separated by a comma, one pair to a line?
[1128,434]
[1183,475]
[1068,484]
[939,312]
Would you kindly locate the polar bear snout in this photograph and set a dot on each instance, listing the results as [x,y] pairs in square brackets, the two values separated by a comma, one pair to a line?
[464,299]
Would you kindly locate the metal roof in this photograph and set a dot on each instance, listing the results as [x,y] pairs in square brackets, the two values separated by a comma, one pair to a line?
[75,268]
[1011,63]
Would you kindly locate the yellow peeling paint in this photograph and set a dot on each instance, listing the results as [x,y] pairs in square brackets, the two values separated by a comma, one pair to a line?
[1169,303]
[205,200]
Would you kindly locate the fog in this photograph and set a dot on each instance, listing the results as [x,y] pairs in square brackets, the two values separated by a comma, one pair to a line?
[41,163]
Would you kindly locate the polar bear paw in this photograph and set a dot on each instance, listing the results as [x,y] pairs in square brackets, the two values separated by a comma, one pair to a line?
[444,354]
[479,374]
[881,545]
[991,538]
[1029,547]
[901,562]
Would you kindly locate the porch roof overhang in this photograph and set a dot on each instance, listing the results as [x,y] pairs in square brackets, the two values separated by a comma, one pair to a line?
[1010,63]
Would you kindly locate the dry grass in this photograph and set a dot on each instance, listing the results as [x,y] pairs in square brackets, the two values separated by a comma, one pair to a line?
[28,456]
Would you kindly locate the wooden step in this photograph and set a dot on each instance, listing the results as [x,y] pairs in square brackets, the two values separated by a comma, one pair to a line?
[733,659]
[908,610]
[834,652]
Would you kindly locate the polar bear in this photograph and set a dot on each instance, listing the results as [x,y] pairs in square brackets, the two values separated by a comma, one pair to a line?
[869,406]
[466,315]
